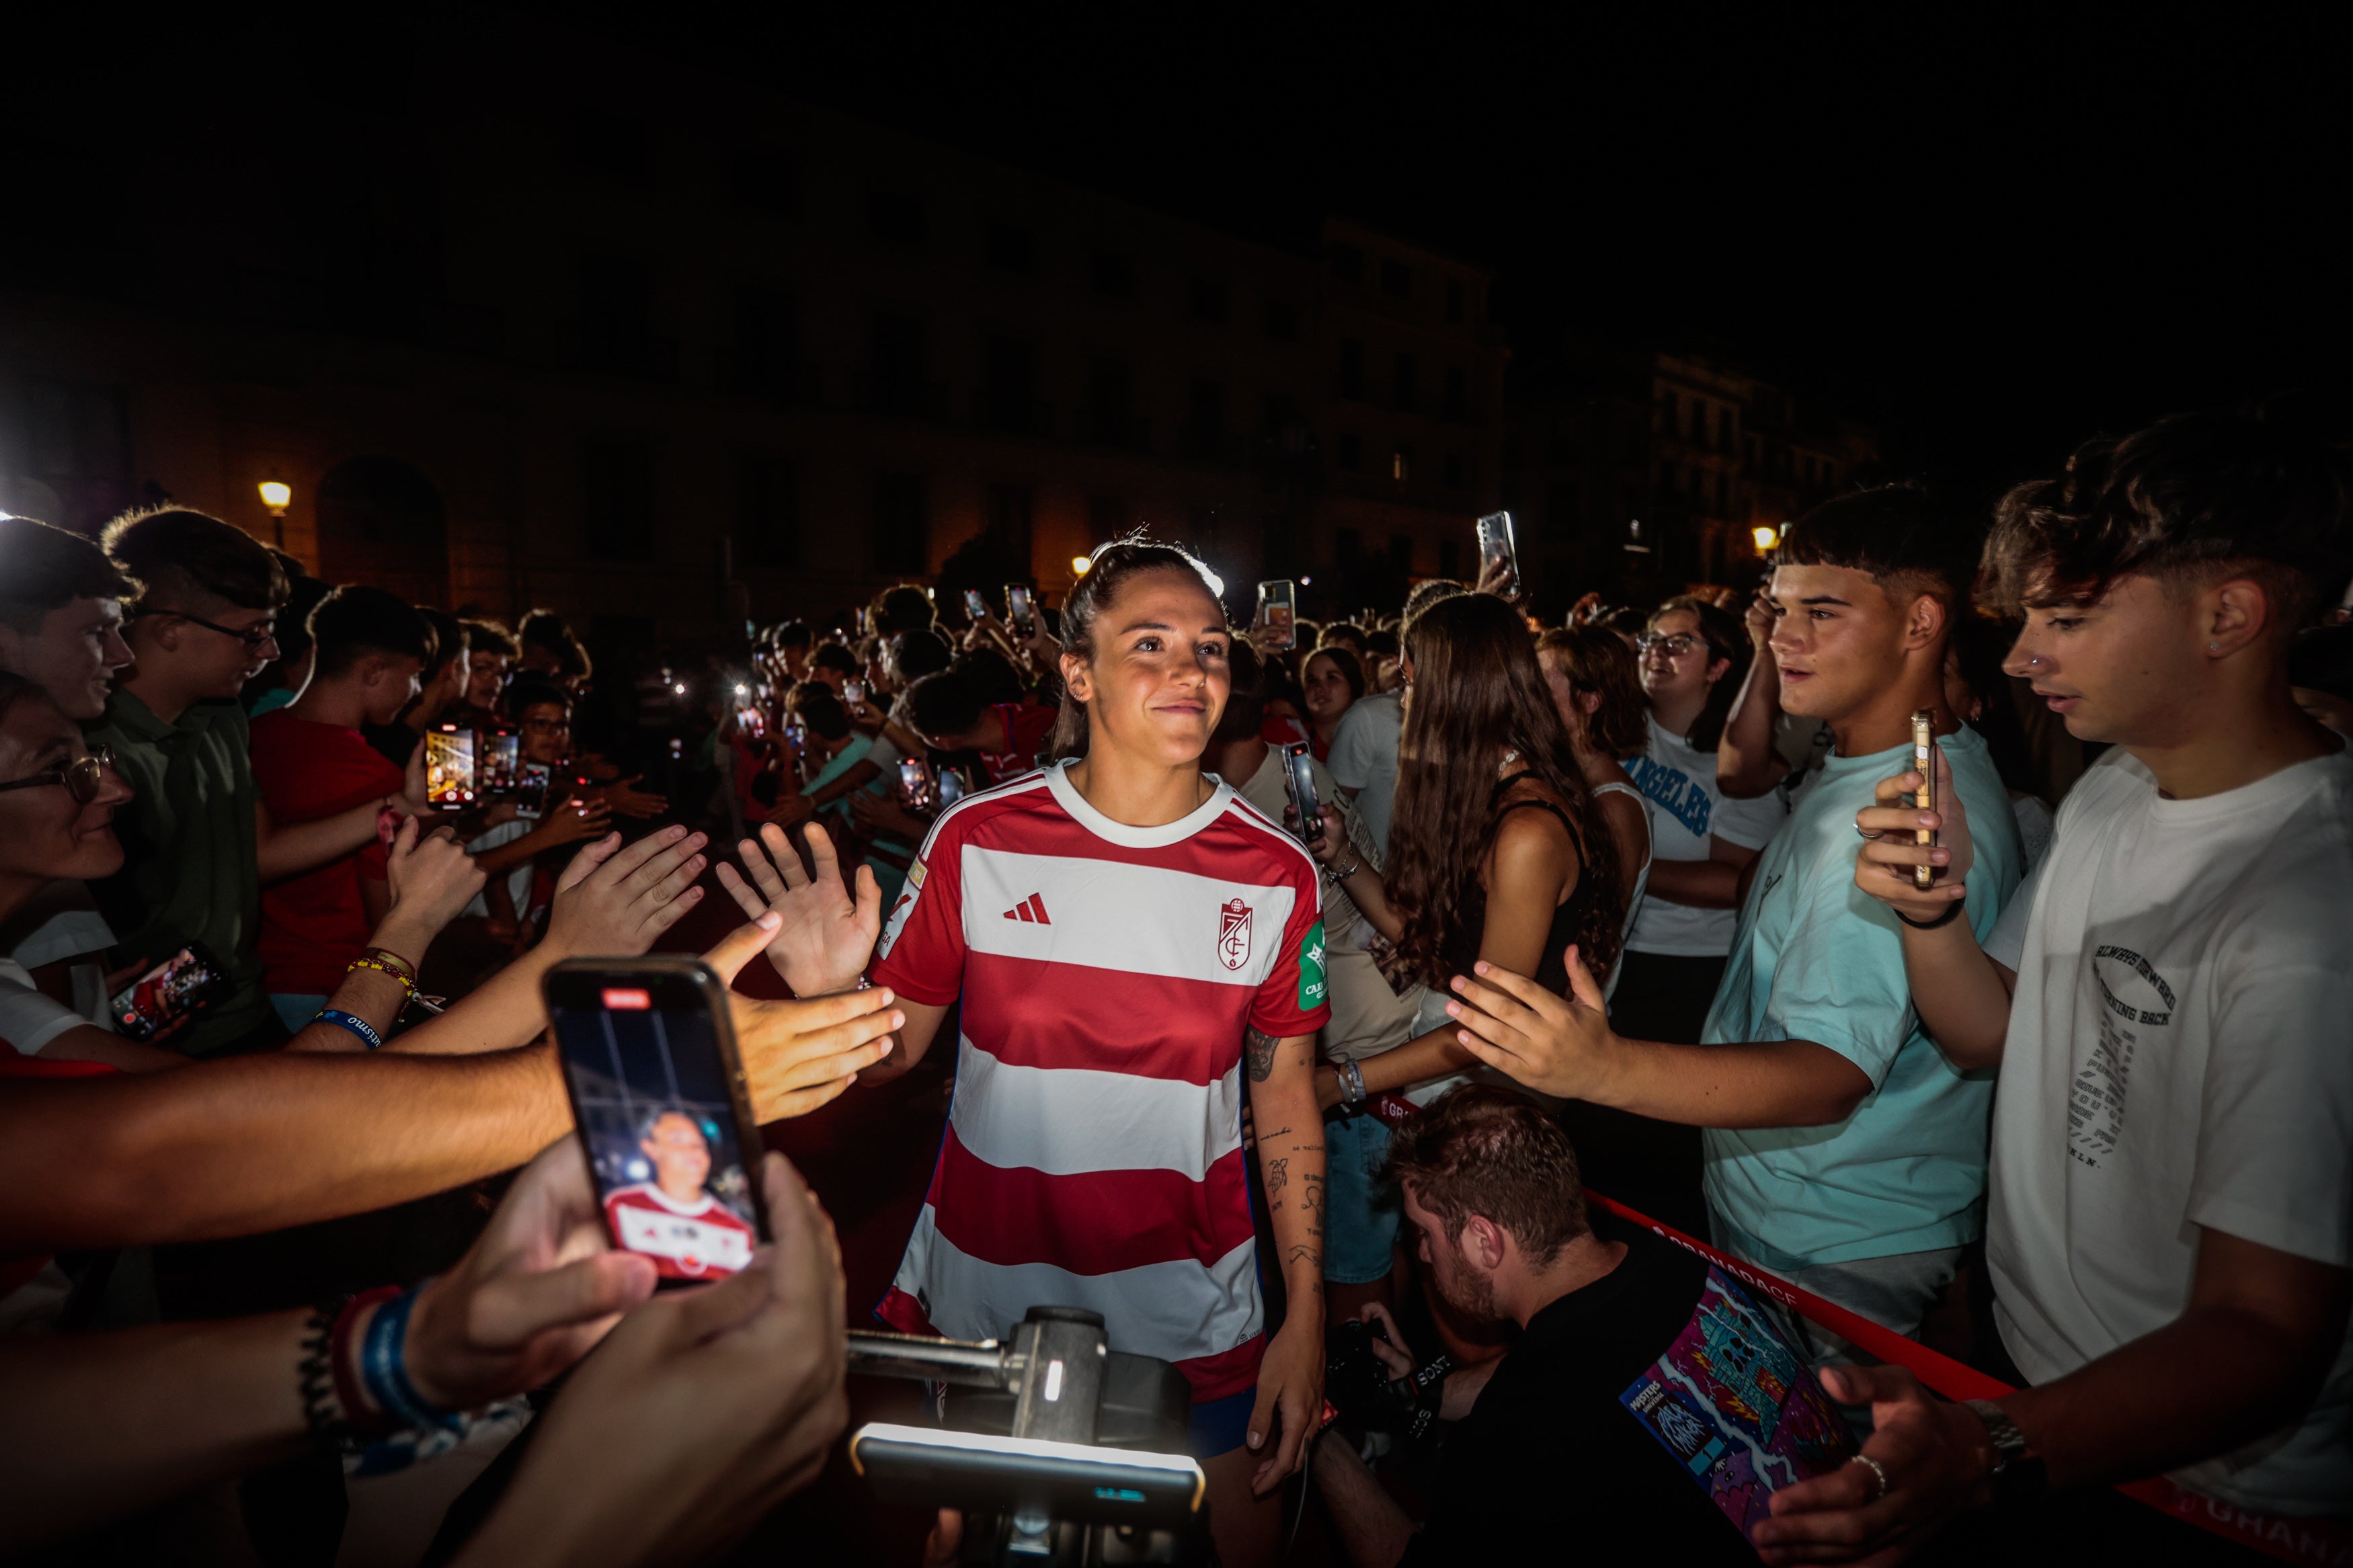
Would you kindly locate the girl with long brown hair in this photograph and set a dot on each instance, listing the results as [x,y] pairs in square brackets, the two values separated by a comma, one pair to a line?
[1495,852]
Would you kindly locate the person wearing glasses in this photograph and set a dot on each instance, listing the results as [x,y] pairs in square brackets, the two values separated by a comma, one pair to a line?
[508,847]
[61,629]
[198,840]
[1692,658]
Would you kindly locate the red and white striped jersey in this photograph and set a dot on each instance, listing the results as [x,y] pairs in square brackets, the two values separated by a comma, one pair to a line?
[699,1240]
[1093,1156]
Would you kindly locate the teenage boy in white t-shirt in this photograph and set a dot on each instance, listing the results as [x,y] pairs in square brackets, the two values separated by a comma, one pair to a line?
[2172,1221]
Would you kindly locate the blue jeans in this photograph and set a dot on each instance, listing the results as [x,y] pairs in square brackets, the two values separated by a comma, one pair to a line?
[1361,1212]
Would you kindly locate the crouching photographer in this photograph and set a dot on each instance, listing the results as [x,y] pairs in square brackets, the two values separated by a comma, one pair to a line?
[1650,1406]
[699,1411]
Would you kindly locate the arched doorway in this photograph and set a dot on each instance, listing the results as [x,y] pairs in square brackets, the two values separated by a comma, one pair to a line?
[381,522]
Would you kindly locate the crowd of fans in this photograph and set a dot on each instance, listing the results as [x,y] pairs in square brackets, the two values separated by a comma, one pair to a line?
[2036,1060]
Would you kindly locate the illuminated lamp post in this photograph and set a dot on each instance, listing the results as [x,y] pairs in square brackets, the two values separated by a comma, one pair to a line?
[277,495]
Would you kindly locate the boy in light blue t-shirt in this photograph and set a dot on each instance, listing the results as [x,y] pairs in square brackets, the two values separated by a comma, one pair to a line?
[1842,1152]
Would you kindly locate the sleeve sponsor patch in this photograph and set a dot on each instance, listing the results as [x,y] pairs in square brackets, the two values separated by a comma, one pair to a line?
[1311,987]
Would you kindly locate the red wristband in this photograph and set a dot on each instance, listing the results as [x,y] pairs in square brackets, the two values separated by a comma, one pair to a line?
[341,1362]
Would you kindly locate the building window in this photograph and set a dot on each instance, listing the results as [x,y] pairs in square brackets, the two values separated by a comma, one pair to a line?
[1010,394]
[765,179]
[900,523]
[1458,471]
[896,216]
[896,362]
[1404,389]
[1722,496]
[1458,394]
[1698,423]
[1454,301]
[1352,367]
[1450,558]
[1401,463]
[1670,419]
[617,477]
[765,358]
[1114,275]
[767,512]
[1281,321]
[1205,302]
[617,315]
[1397,279]
[1110,415]
[1348,264]
[1351,450]
[1205,418]
[1011,247]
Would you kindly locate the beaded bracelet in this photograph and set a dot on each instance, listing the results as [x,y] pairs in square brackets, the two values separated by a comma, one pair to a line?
[407,985]
[397,965]
[356,1025]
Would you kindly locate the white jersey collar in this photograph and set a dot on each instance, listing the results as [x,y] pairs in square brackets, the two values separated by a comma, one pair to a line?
[1066,796]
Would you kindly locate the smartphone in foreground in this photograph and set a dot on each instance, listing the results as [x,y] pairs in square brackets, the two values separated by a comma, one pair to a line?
[1299,777]
[1020,612]
[449,767]
[160,1002]
[1496,549]
[1923,762]
[659,1100]
[1278,608]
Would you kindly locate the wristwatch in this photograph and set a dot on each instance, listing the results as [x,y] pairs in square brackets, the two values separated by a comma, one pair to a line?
[2018,1473]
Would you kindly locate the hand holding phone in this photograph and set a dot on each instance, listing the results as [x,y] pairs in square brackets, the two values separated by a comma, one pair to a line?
[1021,613]
[975,608]
[449,767]
[916,785]
[1923,762]
[1499,557]
[161,1001]
[1299,778]
[658,1101]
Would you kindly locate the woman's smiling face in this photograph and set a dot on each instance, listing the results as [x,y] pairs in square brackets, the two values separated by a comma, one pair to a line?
[1160,676]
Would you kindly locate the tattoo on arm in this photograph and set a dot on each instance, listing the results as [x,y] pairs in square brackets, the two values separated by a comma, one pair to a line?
[1277,1177]
[1258,1050]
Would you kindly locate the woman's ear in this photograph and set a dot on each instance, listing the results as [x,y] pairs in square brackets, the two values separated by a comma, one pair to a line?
[1717,669]
[1077,678]
[1588,703]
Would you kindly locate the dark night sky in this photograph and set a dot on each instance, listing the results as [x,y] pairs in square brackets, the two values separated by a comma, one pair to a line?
[1987,238]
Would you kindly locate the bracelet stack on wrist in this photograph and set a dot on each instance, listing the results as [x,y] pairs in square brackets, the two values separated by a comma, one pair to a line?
[1952,912]
[1352,1082]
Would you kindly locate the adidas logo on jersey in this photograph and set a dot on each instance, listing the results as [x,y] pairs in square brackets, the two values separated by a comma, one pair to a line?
[1031,909]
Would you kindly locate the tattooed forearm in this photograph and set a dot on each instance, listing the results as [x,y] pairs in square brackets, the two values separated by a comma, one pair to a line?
[1258,1050]
[1277,1177]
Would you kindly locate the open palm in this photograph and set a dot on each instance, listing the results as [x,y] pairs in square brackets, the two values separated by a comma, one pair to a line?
[827,932]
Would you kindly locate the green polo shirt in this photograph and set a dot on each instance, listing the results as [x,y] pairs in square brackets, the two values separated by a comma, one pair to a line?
[191,871]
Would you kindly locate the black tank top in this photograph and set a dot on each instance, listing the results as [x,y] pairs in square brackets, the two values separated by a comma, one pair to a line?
[1459,951]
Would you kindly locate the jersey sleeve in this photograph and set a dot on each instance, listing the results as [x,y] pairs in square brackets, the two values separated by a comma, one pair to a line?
[1292,1000]
[920,955]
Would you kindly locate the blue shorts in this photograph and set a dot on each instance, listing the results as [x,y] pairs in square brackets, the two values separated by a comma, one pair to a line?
[1222,1425]
[1361,1214]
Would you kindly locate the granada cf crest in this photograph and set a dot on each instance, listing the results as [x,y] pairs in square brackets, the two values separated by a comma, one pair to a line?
[1234,934]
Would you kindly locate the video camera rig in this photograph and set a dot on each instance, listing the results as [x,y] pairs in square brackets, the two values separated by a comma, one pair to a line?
[1060,1449]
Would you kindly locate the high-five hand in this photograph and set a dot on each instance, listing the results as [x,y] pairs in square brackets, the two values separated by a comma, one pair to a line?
[799,1055]
[1556,1044]
[825,936]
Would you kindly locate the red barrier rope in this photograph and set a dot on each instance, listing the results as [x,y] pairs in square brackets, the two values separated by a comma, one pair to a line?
[2316,1539]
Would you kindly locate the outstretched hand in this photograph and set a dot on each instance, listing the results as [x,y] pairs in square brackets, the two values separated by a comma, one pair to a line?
[612,901]
[1556,1044]
[825,935]
[431,878]
[799,1055]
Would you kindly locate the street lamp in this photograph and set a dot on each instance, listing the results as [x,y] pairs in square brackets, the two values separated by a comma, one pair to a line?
[1767,536]
[1079,564]
[277,495]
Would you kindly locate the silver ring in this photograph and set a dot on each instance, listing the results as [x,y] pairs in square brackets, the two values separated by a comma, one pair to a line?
[1863,832]
[1878,1470]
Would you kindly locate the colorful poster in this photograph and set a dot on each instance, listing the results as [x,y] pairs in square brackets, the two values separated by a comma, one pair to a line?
[1738,1407]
